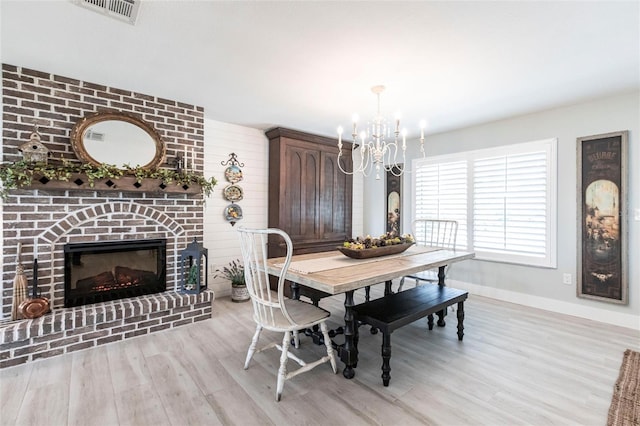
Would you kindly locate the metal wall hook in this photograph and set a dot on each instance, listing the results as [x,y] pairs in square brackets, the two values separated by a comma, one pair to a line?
[233,160]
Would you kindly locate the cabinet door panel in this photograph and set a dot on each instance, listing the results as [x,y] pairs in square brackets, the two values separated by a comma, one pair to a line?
[335,215]
[300,201]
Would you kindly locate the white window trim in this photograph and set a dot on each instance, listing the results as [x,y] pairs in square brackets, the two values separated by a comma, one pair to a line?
[550,146]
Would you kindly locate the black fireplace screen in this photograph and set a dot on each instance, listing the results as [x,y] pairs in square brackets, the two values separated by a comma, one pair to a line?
[102,271]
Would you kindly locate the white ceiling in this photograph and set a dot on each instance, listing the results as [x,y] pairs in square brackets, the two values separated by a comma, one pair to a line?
[310,65]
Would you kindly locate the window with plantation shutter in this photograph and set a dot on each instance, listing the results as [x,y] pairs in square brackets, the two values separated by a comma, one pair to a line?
[503,198]
[441,193]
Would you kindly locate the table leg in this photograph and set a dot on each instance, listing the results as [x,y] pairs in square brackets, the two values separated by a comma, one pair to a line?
[441,314]
[349,351]
[295,291]
[441,275]
[387,291]
[387,288]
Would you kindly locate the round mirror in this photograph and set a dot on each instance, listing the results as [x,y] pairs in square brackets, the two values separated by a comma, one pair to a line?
[117,138]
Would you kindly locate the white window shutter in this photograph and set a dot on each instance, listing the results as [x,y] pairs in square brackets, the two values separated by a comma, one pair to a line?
[441,193]
[503,199]
[509,214]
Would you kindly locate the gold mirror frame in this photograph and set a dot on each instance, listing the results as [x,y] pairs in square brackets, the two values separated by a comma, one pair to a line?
[80,128]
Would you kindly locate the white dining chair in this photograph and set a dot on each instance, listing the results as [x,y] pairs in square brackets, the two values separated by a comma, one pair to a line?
[432,233]
[272,310]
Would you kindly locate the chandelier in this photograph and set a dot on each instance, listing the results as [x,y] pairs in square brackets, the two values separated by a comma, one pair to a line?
[380,144]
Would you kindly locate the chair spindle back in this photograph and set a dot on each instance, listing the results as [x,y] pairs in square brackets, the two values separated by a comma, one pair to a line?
[266,303]
[435,233]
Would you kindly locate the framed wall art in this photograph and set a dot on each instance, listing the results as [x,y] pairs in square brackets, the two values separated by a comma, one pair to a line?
[394,192]
[602,221]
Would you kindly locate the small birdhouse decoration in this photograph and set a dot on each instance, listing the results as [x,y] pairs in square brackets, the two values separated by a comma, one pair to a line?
[194,268]
[34,151]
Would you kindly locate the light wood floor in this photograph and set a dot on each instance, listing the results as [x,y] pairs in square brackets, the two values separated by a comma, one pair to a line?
[515,366]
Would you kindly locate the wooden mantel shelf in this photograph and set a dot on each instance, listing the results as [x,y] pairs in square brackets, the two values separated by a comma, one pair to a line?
[79,181]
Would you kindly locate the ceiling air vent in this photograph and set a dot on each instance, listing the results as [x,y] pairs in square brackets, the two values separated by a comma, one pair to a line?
[124,10]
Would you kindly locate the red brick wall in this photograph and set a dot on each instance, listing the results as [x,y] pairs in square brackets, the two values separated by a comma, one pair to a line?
[55,217]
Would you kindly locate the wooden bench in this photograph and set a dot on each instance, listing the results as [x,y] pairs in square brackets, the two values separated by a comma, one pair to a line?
[396,310]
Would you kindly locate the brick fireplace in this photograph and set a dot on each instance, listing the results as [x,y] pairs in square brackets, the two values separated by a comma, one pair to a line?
[44,221]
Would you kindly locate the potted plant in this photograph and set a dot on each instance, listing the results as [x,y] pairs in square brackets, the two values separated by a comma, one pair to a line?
[234,272]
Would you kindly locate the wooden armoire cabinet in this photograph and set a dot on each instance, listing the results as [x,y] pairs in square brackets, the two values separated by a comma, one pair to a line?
[309,197]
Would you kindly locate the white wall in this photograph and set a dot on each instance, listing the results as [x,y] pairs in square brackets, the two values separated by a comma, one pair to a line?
[357,225]
[252,149]
[537,286]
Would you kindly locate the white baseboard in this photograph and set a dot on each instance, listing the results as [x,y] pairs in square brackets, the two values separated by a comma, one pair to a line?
[221,288]
[588,312]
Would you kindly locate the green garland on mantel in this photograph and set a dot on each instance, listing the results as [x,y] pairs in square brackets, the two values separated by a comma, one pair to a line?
[21,173]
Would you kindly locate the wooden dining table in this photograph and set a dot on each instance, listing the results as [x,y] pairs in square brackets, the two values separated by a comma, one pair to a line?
[333,273]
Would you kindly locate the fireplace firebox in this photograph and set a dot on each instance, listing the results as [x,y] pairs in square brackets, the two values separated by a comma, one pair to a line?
[103,271]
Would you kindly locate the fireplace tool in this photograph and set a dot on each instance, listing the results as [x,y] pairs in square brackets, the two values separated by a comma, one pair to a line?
[34,306]
[19,287]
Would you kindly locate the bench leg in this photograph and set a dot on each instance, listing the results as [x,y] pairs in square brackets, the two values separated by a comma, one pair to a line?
[386,357]
[460,314]
[430,321]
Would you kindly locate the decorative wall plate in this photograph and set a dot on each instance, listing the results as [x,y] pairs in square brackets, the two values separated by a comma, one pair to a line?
[233,174]
[232,193]
[233,213]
